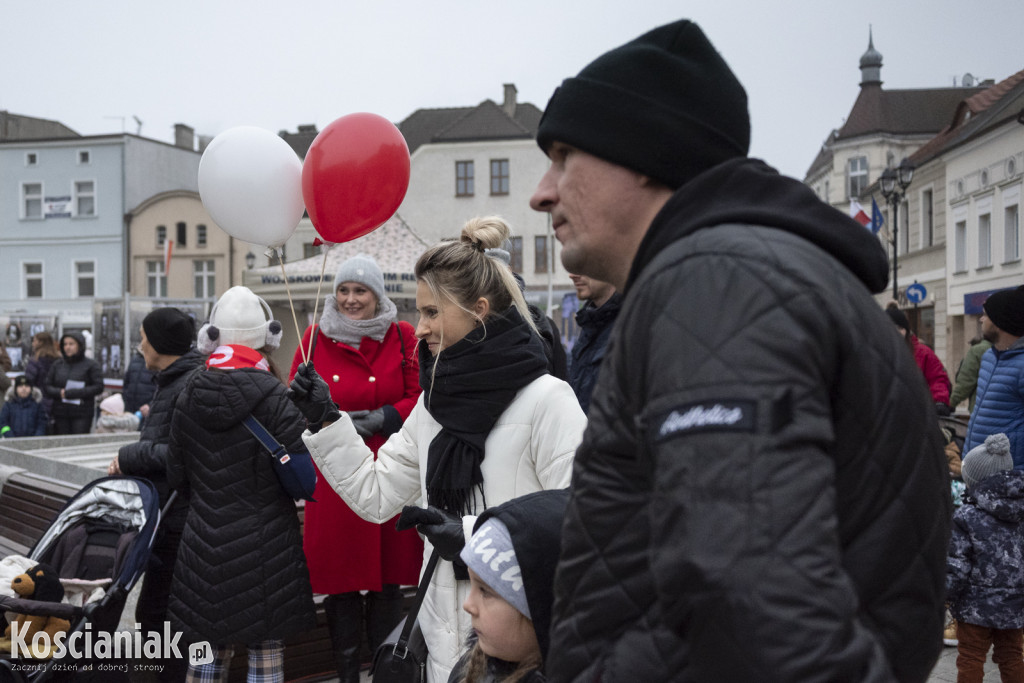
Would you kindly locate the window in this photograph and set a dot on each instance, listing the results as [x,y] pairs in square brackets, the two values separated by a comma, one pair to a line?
[825,198]
[1011,228]
[857,176]
[85,278]
[31,159]
[161,235]
[182,231]
[984,240]
[960,247]
[156,279]
[309,250]
[927,219]
[202,276]
[540,257]
[200,235]
[33,273]
[463,178]
[84,156]
[516,253]
[499,176]
[85,198]
[32,200]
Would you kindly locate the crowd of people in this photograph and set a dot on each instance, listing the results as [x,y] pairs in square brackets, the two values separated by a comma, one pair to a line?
[740,477]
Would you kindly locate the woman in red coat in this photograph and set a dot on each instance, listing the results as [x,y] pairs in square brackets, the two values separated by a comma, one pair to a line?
[369,361]
[931,367]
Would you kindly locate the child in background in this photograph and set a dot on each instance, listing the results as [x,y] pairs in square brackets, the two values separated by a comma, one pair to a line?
[985,566]
[511,559]
[22,413]
[113,419]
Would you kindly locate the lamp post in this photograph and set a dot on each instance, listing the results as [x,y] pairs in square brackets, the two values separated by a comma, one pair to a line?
[250,260]
[891,178]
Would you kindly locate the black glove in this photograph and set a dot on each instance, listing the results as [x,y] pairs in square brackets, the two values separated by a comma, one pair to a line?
[311,395]
[942,409]
[367,422]
[442,529]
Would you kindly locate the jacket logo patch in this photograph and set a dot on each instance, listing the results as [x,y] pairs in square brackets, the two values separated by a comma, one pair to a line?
[708,416]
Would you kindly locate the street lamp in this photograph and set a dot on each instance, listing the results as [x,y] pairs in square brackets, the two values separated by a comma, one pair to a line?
[889,180]
[250,260]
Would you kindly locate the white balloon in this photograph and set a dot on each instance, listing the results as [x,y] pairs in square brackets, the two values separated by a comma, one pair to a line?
[250,182]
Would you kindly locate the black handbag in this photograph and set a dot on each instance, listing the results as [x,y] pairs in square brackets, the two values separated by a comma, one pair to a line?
[294,471]
[402,657]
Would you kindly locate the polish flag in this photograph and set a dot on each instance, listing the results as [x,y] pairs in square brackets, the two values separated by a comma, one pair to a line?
[168,248]
[858,214]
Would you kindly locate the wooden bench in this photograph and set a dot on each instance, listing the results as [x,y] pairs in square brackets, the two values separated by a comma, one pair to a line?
[28,505]
[309,655]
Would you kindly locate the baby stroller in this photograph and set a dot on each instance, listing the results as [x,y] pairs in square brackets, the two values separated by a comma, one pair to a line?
[101,538]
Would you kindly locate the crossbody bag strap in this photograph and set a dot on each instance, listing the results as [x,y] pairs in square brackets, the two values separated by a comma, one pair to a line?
[402,645]
[273,446]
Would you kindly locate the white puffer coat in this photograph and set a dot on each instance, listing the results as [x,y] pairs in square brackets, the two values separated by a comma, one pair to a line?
[530,448]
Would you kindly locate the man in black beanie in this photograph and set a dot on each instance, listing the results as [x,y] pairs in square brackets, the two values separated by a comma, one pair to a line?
[168,335]
[761,492]
[1000,404]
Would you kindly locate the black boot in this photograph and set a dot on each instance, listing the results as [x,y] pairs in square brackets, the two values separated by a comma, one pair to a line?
[344,622]
[383,612]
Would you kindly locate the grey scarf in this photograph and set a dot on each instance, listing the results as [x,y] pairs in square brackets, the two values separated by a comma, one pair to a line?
[340,327]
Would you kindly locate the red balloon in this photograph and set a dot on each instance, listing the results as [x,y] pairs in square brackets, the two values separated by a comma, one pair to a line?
[355,176]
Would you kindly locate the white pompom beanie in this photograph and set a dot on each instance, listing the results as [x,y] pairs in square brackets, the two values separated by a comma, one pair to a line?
[240,317]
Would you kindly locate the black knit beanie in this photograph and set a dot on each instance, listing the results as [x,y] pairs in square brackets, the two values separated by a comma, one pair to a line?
[169,331]
[665,105]
[1006,310]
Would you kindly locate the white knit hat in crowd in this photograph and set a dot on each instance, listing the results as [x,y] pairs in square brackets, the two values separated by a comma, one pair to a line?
[113,404]
[987,459]
[240,317]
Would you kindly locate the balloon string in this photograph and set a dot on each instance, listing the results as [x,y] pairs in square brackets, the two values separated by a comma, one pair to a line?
[316,306]
[291,304]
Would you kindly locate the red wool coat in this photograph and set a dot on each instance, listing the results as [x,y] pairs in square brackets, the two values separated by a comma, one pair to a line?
[345,553]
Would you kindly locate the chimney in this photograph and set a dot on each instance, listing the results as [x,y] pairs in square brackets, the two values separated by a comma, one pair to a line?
[509,105]
[184,136]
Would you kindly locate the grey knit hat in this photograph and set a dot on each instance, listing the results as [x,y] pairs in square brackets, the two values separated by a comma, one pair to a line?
[364,270]
[491,556]
[987,459]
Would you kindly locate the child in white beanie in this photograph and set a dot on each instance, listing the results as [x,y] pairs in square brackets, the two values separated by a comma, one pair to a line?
[985,565]
[240,575]
[113,419]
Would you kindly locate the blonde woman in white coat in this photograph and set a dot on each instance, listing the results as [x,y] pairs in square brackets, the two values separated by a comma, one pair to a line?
[491,424]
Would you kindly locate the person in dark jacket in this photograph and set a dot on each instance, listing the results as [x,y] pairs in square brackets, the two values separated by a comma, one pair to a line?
[166,349]
[511,561]
[44,355]
[22,413]
[985,579]
[73,383]
[761,492]
[138,387]
[595,318]
[240,576]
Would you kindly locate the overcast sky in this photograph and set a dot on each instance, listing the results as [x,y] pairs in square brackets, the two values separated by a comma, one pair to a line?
[215,64]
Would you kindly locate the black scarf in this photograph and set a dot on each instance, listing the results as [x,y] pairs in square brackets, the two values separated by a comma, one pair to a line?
[473,382]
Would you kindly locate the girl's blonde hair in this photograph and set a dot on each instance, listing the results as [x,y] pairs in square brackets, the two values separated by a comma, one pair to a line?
[476,667]
[461,272]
